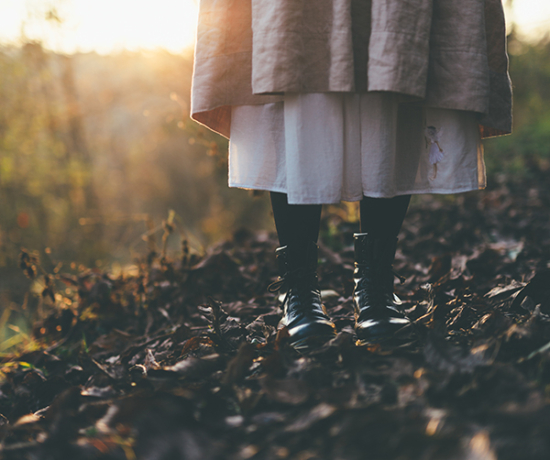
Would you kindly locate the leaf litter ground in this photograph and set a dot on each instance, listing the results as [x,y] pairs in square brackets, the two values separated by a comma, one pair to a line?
[183,360]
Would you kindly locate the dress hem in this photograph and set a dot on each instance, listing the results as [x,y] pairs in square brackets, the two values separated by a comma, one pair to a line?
[317,200]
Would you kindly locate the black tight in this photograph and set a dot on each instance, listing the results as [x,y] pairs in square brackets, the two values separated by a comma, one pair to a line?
[298,224]
[383,216]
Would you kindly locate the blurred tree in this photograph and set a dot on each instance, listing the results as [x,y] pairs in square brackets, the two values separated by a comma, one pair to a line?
[45,169]
[90,145]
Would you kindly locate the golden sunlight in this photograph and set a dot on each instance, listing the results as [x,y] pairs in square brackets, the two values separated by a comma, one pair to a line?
[100,25]
[110,25]
[530,17]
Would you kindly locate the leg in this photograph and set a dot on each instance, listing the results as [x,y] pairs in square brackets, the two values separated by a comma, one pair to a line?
[303,313]
[376,314]
[297,225]
[383,216]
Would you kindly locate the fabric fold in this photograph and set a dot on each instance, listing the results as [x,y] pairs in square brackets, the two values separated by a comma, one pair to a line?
[448,54]
[329,147]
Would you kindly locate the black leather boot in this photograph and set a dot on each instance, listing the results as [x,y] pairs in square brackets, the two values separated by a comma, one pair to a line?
[377,317]
[304,315]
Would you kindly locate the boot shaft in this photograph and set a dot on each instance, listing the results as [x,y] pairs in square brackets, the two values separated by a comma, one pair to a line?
[373,262]
[376,314]
[291,258]
[303,312]
[374,252]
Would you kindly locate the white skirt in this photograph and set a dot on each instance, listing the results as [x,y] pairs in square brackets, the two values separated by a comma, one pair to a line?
[329,147]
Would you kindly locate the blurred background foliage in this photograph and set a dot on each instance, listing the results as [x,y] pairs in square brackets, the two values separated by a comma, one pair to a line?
[530,142]
[95,150]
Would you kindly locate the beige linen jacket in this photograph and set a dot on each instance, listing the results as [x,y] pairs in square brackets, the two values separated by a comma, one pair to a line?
[443,53]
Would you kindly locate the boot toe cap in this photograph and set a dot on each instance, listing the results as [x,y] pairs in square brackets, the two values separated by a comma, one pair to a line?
[304,334]
[372,330]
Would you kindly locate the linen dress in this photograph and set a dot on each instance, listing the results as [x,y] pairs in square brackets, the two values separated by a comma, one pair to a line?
[325,148]
[304,120]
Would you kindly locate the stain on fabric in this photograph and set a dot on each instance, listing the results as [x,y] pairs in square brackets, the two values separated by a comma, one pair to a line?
[432,143]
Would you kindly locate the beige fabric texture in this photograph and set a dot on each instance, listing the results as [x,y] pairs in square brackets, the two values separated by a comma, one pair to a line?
[451,54]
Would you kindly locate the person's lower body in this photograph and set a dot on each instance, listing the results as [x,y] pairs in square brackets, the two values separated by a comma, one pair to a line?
[330,147]
[377,317]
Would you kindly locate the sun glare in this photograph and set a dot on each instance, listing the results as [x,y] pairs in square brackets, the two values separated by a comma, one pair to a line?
[101,25]
[532,17]
[110,25]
